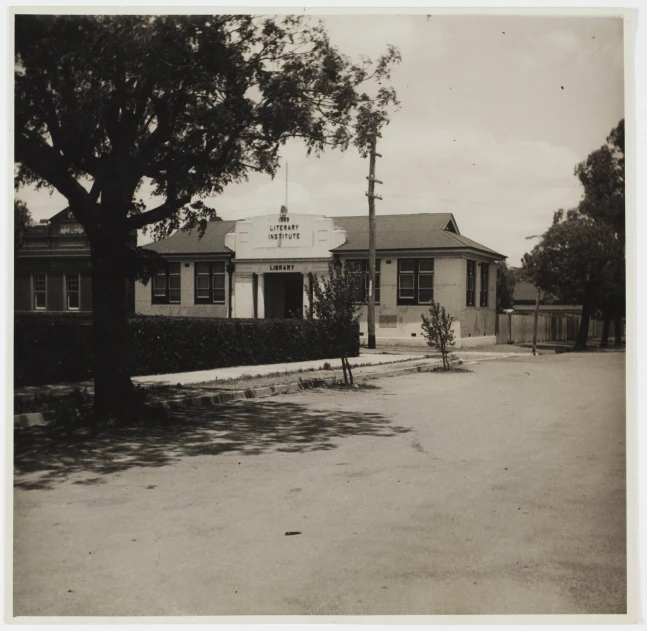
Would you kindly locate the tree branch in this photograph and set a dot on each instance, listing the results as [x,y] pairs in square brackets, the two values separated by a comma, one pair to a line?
[156,214]
[49,166]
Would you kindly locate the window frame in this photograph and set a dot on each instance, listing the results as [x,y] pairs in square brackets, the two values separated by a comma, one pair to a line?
[210,299]
[417,274]
[34,292]
[485,282]
[66,276]
[470,293]
[166,273]
[364,273]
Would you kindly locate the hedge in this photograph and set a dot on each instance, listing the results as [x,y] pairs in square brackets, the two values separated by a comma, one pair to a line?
[53,349]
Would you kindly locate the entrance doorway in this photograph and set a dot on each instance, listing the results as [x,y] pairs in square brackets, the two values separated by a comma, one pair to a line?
[283,295]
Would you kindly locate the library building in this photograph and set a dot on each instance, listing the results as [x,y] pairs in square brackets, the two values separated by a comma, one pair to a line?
[265,267]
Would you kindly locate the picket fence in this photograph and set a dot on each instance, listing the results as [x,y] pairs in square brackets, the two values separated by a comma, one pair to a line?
[515,328]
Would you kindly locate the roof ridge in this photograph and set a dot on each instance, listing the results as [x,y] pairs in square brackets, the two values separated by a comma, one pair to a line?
[454,236]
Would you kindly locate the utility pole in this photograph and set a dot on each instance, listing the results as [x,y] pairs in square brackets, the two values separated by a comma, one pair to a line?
[371,243]
[536,322]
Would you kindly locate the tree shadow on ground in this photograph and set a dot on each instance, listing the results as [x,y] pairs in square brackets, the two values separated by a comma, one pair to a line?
[44,457]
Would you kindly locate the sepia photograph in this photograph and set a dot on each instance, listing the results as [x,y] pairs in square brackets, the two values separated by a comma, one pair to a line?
[321,314]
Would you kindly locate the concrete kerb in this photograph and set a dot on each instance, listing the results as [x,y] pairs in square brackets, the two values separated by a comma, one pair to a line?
[287,388]
[38,419]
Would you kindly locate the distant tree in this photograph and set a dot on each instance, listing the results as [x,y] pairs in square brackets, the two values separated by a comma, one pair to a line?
[21,221]
[506,280]
[185,105]
[437,328]
[602,175]
[334,304]
[578,261]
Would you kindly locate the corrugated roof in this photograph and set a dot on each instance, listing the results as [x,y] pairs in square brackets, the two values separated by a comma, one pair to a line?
[213,241]
[394,232]
[406,232]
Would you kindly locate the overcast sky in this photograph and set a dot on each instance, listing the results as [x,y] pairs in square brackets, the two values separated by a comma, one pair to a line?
[496,112]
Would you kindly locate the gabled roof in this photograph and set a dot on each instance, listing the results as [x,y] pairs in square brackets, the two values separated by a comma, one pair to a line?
[213,241]
[394,232]
[407,232]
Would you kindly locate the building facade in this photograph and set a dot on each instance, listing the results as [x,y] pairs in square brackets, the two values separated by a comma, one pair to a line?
[265,267]
[52,270]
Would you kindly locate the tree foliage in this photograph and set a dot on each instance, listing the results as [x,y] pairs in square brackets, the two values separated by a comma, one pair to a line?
[437,328]
[185,104]
[334,305]
[107,107]
[602,175]
[506,280]
[581,257]
[578,260]
[21,221]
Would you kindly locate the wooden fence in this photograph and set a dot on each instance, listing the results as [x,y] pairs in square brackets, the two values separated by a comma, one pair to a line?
[515,328]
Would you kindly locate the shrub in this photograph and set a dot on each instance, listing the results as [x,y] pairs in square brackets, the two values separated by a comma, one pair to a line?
[437,328]
[49,350]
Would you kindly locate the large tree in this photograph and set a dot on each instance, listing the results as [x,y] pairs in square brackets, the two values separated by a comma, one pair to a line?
[577,260]
[21,221]
[184,104]
[602,176]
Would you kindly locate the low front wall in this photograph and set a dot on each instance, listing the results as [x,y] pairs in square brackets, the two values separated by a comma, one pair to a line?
[404,328]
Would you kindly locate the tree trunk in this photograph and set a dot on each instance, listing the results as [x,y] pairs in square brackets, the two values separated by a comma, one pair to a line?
[604,341]
[617,325]
[113,388]
[343,366]
[619,312]
[583,333]
[350,372]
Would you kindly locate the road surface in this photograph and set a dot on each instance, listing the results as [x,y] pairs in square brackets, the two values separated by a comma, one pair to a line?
[495,491]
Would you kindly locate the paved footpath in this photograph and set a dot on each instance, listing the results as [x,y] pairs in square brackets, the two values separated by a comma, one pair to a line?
[497,491]
[365,360]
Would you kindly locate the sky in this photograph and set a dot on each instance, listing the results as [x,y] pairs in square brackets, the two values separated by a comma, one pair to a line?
[495,113]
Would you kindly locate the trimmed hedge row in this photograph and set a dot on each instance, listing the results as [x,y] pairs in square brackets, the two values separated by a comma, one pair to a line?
[51,350]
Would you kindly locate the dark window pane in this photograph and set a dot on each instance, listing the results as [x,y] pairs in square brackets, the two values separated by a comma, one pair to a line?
[202,287]
[202,268]
[426,281]
[426,265]
[406,281]
[407,266]
[219,294]
[174,268]
[174,295]
[73,300]
[219,267]
[218,282]
[203,282]
[425,295]
[72,282]
[159,284]
[39,300]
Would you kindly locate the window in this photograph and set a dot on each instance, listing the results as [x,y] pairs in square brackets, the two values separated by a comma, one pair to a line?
[485,269]
[415,281]
[40,291]
[471,275]
[167,285]
[358,271]
[72,286]
[210,283]
[174,282]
